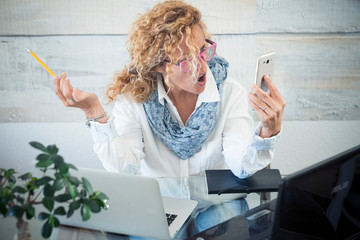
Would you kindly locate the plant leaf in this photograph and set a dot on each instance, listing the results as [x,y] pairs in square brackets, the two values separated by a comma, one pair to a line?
[74,180]
[43,157]
[56,222]
[9,173]
[48,190]
[71,190]
[85,212]
[58,160]
[75,205]
[32,185]
[64,168]
[59,175]
[48,202]
[103,203]
[60,164]
[72,166]
[20,199]
[6,196]
[94,205]
[46,229]
[11,179]
[72,207]
[16,211]
[51,221]
[25,176]
[60,211]
[43,180]
[87,185]
[102,196]
[30,211]
[63,197]
[43,164]
[19,189]
[58,184]
[52,149]
[82,194]
[43,216]
[70,213]
[39,146]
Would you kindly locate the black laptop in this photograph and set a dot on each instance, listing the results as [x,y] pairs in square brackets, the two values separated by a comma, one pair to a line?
[319,202]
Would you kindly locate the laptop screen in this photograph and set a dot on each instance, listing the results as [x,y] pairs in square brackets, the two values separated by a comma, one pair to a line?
[322,201]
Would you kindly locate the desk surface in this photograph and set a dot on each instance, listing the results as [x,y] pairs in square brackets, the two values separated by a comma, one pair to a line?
[211,210]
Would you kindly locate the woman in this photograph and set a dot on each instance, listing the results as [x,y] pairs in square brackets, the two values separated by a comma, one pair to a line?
[176,113]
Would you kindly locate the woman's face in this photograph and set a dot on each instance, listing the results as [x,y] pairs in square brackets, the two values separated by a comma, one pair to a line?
[185,81]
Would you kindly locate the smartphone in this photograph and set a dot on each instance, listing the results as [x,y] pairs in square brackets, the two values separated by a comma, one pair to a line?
[264,65]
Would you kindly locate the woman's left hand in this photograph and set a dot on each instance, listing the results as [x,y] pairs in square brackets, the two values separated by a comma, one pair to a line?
[270,108]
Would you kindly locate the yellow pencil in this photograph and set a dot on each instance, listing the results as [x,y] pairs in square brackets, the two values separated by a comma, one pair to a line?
[41,62]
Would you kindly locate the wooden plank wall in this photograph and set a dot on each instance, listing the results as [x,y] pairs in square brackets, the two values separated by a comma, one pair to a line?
[317,64]
[317,44]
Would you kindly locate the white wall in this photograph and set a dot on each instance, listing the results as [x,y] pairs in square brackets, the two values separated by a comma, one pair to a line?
[317,69]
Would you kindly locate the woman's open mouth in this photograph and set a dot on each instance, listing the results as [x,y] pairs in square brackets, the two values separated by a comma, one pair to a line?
[202,80]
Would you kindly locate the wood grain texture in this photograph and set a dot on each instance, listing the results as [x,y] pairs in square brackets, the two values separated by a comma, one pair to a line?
[324,61]
[318,75]
[26,88]
[27,17]
[317,43]
[308,16]
[87,59]
[304,104]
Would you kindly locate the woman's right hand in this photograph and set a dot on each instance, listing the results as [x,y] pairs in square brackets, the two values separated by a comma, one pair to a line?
[72,97]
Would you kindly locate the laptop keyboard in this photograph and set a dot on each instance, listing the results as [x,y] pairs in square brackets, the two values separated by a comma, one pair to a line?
[170,218]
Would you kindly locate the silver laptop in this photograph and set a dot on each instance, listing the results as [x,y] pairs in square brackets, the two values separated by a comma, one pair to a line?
[136,206]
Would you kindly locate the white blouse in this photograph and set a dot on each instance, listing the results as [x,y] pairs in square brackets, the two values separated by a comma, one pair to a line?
[127,144]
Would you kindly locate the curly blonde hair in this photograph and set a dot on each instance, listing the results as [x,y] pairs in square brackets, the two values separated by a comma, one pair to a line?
[155,36]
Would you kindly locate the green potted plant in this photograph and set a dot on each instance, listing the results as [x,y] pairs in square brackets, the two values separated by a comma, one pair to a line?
[57,190]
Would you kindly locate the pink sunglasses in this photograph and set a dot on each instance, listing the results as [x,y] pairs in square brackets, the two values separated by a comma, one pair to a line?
[206,55]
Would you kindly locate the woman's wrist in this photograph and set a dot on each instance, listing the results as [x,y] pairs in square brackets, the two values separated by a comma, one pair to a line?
[265,133]
[96,114]
[94,111]
[101,119]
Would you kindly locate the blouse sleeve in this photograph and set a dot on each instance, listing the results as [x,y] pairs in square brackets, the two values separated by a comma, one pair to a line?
[119,143]
[245,152]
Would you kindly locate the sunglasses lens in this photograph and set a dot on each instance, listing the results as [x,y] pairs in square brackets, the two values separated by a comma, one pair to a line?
[186,66]
[209,53]
[189,65]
